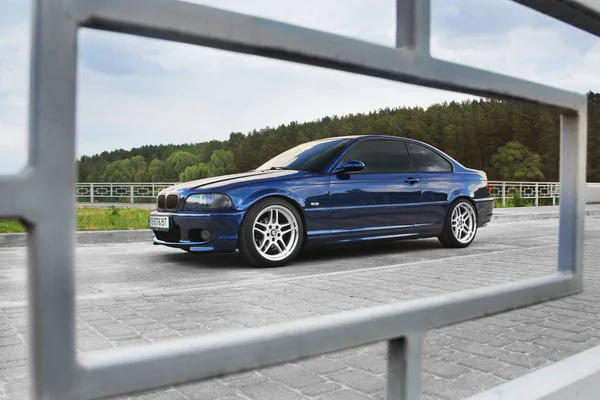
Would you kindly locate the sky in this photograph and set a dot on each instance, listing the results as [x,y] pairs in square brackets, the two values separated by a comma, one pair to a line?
[134,91]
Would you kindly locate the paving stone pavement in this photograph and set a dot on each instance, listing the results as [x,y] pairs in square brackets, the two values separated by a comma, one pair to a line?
[458,360]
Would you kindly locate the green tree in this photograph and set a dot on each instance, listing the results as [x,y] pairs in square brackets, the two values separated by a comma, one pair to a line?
[158,171]
[470,131]
[194,172]
[140,168]
[221,163]
[515,162]
[178,162]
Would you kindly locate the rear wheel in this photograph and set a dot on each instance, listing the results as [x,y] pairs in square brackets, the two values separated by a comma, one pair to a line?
[460,225]
[272,233]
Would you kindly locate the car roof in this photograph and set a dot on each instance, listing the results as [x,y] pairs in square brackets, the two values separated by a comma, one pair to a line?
[365,137]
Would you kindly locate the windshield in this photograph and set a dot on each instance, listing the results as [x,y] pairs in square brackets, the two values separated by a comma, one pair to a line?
[311,156]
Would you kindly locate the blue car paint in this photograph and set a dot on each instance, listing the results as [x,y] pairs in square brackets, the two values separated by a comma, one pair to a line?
[335,207]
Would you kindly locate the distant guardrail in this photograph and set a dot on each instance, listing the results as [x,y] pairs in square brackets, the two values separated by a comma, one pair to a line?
[146,192]
[536,191]
[131,192]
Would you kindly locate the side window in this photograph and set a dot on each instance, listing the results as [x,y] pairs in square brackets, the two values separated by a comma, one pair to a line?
[381,156]
[425,160]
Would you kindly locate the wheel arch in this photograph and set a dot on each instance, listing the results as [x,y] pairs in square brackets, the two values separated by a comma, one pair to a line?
[290,200]
[463,196]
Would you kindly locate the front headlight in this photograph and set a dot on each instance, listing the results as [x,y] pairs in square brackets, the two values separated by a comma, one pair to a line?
[203,201]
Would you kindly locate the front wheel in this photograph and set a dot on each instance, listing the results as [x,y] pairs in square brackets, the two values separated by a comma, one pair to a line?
[271,234]
[460,225]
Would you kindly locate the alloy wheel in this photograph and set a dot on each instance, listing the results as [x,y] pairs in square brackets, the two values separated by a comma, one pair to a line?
[275,231]
[464,222]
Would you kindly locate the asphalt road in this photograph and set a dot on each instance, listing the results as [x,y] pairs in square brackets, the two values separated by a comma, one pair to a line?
[106,270]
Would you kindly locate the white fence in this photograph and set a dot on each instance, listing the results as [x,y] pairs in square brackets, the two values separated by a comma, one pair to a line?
[526,190]
[118,192]
[147,192]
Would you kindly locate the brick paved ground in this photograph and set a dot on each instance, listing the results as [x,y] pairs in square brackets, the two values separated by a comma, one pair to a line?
[458,360]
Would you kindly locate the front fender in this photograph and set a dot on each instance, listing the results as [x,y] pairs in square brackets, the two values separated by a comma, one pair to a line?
[256,196]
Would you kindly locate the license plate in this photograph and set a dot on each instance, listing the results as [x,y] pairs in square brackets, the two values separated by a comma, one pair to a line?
[159,222]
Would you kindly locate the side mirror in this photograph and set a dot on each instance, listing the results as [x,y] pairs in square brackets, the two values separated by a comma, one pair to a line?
[353,166]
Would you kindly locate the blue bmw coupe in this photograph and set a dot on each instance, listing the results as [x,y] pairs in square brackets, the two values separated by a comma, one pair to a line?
[335,190]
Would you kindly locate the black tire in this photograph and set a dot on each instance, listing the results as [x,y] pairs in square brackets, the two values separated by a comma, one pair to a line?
[247,242]
[447,237]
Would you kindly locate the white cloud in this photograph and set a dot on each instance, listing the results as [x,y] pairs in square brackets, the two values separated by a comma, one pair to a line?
[539,55]
[203,94]
[210,104]
[14,85]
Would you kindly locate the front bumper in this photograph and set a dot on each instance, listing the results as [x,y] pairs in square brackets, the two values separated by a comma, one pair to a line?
[185,230]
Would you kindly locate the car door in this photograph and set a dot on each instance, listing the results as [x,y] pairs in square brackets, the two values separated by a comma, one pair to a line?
[383,198]
[437,182]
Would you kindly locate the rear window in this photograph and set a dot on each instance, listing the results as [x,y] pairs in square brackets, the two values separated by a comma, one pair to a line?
[425,160]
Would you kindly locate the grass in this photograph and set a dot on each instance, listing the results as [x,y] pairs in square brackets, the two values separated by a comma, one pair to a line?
[112,218]
[11,226]
[95,219]
[524,203]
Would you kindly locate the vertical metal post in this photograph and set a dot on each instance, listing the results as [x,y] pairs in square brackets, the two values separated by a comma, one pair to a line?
[91,192]
[503,194]
[51,238]
[573,141]
[404,368]
[131,194]
[521,189]
[413,25]
[537,201]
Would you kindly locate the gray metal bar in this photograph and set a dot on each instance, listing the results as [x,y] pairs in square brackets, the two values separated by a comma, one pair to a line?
[51,239]
[583,14]
[404,367]
[201,25]
[183,360]
[573,155]
[413,25]
[52,154]
[576,377]
[14,203]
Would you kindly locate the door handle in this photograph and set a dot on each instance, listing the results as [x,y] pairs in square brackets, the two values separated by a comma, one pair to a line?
[411,180]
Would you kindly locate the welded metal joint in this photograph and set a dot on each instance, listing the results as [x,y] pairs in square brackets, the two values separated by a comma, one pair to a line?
[413,25]
[404,367]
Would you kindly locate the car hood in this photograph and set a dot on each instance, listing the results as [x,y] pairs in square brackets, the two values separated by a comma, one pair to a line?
[218,182]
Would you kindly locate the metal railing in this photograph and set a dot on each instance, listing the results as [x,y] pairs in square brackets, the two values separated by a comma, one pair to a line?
[133,192]
[114,191]
[60,372]
[526,190]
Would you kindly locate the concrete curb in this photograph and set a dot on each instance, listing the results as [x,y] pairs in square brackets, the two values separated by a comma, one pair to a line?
[533,216]
[145,235]
[86,237]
